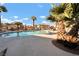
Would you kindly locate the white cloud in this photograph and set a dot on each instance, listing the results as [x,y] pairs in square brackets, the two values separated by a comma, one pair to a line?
[5,20]
[42,17]
[14,19]
[29,24]
[15,16]
[25,19]
[49,23]
[24,23]
[40,6]
[44,22]
[17,21]
[2,3]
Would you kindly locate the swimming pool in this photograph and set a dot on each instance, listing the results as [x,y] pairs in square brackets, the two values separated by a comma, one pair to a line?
[25,33]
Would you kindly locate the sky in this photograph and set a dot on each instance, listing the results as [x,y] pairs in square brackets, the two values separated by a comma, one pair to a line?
[22,12]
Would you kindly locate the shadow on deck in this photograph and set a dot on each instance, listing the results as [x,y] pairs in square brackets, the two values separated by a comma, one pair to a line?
[3,52]
[61,46]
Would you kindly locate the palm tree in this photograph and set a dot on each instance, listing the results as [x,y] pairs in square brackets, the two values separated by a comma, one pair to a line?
[33,19]
[66,12]
[57,14]
[18,25]
[7,24]
[2,9]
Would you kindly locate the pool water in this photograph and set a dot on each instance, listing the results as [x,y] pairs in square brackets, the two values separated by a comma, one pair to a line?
[26,33]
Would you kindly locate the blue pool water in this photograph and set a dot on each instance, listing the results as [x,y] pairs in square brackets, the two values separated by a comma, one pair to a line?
[26,33]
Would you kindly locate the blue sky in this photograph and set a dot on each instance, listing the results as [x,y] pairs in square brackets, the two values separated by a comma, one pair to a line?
[22,12]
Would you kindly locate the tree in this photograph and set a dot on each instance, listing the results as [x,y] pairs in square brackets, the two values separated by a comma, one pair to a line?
[66,12]
[72,13]
[57,14]
[18,25]
[7,24]
[33,19]
[2,9]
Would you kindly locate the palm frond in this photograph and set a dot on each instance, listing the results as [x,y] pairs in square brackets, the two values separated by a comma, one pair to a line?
[3,9]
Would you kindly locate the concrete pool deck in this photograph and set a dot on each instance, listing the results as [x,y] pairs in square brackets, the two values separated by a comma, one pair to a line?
[52,36]
[32,46]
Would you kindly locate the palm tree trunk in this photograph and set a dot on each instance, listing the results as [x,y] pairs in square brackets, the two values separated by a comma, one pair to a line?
[17,31]
[33,25]
[71,36]
[60,29]
[74,30]
[0,22]
[17,28]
